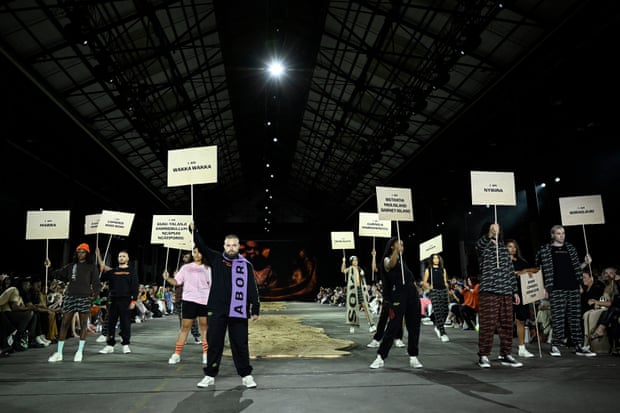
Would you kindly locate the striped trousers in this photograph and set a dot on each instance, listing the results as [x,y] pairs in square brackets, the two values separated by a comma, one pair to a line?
[495,314]
[566,307]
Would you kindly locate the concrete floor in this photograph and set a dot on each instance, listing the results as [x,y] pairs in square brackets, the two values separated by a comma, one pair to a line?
[450,381]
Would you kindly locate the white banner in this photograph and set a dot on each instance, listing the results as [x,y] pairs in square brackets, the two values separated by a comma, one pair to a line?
[532,287]
[47,224]
[582,210]
[342,240]
[192,166]
[115,223]
[172,230]
[430,247]
[371,226]
[493,188]
[394,204]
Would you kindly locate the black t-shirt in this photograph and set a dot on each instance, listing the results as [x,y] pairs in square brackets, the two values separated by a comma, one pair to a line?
[563,273]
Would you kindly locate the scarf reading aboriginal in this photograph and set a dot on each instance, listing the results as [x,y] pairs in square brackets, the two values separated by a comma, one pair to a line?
[238,298]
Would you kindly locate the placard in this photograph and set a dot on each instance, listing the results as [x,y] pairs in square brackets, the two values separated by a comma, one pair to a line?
[493,188]
[91,224]
[192,166]
[47,224]
[430,247]
[171,230]
[371,226]
[394,204]
[115,223]
[342,240]
[582,210]
[532,287]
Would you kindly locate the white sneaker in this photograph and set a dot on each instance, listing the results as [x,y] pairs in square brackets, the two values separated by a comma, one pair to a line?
[445,338]
[352,330]
[248,381]
[206,382]
[437,332]
[415,363]
[378,363]
[524,353]
[555,352]
[373,344]
[138,321]
[399,343]
[174,359]
[372,329]
[78,356]
[101,339]
[126,349]
[107,350]
[204,358]
[39,340]
[55,357]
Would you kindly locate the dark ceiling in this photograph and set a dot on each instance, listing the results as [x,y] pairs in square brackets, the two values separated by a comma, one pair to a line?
[377,93]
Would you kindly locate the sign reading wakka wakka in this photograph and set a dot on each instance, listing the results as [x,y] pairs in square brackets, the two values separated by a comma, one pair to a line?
[192,166]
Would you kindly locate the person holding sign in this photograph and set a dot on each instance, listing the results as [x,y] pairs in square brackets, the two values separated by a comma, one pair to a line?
[232,300]
[404,302]
[436,282]
[196,279]
[498,286]
[521,311]
[83,286]
[357,293]
[562,276]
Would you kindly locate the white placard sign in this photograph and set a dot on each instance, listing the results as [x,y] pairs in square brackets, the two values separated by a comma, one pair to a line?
[180,245]
[371,226]
[582,210]
[493,188]
[430,247]
[192,166]
[115,223]
[47,224]
[171,230]
[343,240]
[532,287]
[394,204]
[91,224]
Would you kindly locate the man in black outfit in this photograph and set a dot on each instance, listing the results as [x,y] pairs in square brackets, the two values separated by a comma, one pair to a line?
[232,300]
[122,294]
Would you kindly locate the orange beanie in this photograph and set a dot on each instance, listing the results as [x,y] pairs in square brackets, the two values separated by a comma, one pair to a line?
[84,246]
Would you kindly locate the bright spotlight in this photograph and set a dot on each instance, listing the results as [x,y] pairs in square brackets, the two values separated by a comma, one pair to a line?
[276,69]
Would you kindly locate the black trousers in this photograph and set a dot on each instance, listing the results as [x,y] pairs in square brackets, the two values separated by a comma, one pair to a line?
[238,338]
[118,309]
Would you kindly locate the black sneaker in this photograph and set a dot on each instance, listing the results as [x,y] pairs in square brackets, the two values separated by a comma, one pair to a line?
[484,362]
[508,360]
[584,351]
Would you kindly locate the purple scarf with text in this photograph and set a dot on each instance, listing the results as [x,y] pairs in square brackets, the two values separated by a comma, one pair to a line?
[238,298]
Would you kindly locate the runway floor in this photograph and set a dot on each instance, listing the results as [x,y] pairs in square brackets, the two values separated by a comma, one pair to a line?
[450,381]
